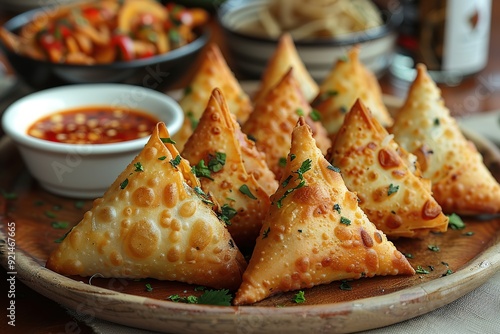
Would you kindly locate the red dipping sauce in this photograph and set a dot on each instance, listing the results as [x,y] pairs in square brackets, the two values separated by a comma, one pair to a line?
[94,125]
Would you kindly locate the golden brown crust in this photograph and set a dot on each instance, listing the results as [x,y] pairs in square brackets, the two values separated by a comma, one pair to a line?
[274,117]
[218,133]
[315,233]
[151,223]
[349,80]
[285,57]
[213,72]
[461,183]
[391,195]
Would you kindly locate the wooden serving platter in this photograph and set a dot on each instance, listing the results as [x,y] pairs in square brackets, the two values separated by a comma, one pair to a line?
[465,260]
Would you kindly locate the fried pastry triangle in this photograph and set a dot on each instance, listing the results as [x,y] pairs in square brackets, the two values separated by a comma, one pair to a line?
[393,198]
[214,151]
[284,57]
[461,183]
[213,72]
[347,81]
[315,232]
[152,222]
[274,117]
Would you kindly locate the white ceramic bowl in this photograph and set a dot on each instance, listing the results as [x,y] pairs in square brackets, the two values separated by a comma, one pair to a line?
[251,53]
[86,170]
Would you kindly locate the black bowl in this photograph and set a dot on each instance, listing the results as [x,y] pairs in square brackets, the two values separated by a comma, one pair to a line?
[157,72]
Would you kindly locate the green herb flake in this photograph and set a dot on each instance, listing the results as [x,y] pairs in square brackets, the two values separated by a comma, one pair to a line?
[204,197]
[455,222]
[246,191]
[124,184]
[200,288]
[392,189]
[79,204]
[60,225]
[216,297]
[162,158]
[332,167]
[299,297]
[50,214]
[304,167]
[266,232]
[292,157]
[216,162]
[63,237]
[138,167]
[194,122]
[252,138]
[345,286]
[201,170]
[409,255]
[57,207]
[188,90]
[336,207]
[315,115]
[345,221]
[300,112]
[469,234]
[282,162]
[39,203]
[436,121]
[448,272]
[167,140]
[343,109]
[226,214]
[175,161]
[148,287]
[433,248]
[421,270]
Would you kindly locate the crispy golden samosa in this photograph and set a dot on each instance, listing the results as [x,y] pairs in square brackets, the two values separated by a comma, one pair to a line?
[215,152]
[153,221]
[461,183]
[284,57]
[274,117]
[347,81]
[396,200]
[212,72]
[315,232]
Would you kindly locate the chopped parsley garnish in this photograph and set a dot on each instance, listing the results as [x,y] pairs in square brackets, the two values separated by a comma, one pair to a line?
[50,214]
[226,214]
[282,162]
[345,286]
[448,272]
[175,161]
[252,138]
[266,232]
[343,109]
[392,189]
[329,93]
[162,158]
[7,195]
[217,161]
[345,221]
[433,248]
[63,237]
[124,184]
[138,167]
[292,157]
[201,170]
[149,288]
[300,112]
[204,197]
[188,90]
[455,222]
[436,121]
[299,297]
[332,167]
[336,207]
[210,297]
[60,225]
[421,270]
[306,166]
[246,191]
[469,234]
[409,255]
[167,140]
[192,120]
[315,115]
[79,204]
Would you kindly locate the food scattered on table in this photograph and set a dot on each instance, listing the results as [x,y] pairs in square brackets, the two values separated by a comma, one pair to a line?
[218,159]
[315,232]
[94,125]
[312,19]
[212,72]
[274,117]
[154,221]
[347,81]
[102,32]
[283,58]
[461,183]
[386,179]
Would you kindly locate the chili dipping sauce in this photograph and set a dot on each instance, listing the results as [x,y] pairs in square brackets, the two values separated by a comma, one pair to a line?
[93,125]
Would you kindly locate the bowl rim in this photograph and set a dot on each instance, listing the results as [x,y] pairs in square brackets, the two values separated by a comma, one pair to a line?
[18,21]
[20,136]
[390,23]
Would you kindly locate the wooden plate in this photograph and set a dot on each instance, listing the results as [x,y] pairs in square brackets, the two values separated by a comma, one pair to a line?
[471,254]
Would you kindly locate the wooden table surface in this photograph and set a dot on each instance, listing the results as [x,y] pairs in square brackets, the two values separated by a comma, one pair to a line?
[479,93]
